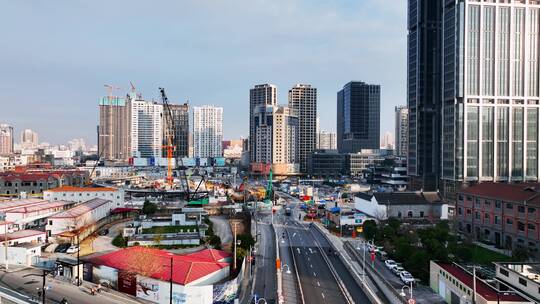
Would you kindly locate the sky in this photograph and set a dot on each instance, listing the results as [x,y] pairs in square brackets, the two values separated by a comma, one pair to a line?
[56,56]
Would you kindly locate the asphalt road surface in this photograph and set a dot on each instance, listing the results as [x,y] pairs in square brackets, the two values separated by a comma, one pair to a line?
[265,284]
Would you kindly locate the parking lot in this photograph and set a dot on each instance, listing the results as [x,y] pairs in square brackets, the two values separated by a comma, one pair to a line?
[422,293]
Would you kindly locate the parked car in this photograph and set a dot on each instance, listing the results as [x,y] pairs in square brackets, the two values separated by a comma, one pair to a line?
[104,232]
[73,249]
[397,269]
[62,248]
[390,264]
[406,277]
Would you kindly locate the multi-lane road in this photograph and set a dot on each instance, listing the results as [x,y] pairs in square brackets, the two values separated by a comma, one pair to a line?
[323,276]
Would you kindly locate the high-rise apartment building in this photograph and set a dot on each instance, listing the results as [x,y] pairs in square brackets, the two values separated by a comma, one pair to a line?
[207,131]
[180,119]
[260,95]
[276,131]
[402,130]
[423,92]
[303,100]
[6,139]
[146,128]
[387,141]
[29,139]
[326,140]
[114,128]
[358,117]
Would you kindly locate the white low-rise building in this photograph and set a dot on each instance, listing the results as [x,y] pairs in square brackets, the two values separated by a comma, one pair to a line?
[83,194]
[84,218]
[30,216]
[24,236]
[21,254]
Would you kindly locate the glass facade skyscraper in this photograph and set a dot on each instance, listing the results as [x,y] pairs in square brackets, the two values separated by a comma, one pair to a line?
[423,93]
[489,89]
[358,117]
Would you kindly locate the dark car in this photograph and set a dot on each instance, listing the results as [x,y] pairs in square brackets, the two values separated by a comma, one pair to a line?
[62,248]
[104,232]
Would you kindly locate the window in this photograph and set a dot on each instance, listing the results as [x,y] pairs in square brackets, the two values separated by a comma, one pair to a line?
[460,197]
[521,226]
[487,203]
[522,281]
[509,206]
[459,210]
[503,271]
[399,214]
[521,209]
[531,226]
[477,215]
[50,222]
[496,219]
[497,204]
[477,202]
[468,211]
[486,216]
[509,221]
[531,210]
[421,213]
[409,214]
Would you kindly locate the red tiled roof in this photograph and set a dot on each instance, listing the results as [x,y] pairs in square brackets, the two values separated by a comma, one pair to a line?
[186,268]
[82,189]
[503,191]
[122,210]
[482,288]
[210,255]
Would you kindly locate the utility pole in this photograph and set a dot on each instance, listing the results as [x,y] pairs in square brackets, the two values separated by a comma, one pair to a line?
[171,282]
[474,283]
[234,258]
[6,243]
[78,261]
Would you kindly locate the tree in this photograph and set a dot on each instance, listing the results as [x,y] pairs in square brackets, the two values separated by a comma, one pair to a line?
[149,208]
[520,254]
[370,229]
[246,241]
[144,261]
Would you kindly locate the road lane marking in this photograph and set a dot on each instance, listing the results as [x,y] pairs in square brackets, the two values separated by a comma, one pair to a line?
[314,274]
[318,284]
[322,294]
[310,265]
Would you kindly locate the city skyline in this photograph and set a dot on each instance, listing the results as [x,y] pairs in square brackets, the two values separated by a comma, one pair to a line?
[178,67]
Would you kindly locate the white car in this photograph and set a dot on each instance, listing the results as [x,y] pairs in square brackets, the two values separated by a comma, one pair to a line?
[406,277]
[390,264]
[397,269]
[373,248]
[73,249]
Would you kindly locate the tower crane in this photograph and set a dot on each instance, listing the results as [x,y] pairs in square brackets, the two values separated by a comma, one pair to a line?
[196,197]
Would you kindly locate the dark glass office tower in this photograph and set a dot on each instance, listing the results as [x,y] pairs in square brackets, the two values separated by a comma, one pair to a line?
[358,117]
[424,93]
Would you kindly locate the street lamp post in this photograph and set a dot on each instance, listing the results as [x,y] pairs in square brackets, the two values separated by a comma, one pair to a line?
[402,293]
[171,281]
[363,243]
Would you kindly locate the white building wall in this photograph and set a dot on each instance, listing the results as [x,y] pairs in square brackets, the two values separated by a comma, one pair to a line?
[59,225]
[20,255]
[159,292]
[117,197]
[371,208]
